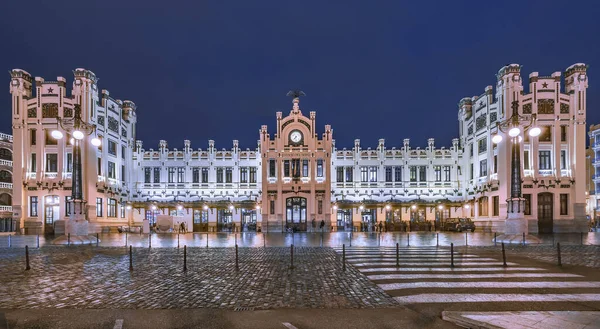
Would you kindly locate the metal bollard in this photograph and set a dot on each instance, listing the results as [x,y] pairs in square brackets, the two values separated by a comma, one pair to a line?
[27,268]
[292,256]
[343,257]
[558,251]
[235,238]
[408,239]
[523,238]
[452,254]
[38,241]
[206,240]
[379,240]
[321,239]
[437,239]
[149,240]
[184,258]
[351,239]
[397,255]
[504,255]
[494,238]
[97,239]
[466,239]
[264,241]
[236,257]
[125,239]
[130,259]
[68,239]
[9,240]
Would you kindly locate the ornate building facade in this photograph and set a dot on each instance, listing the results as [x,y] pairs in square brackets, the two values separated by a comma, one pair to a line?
[593,174]
[296,178]
[7,223]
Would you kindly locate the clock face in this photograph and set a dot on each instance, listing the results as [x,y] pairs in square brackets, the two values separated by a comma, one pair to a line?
[296,136]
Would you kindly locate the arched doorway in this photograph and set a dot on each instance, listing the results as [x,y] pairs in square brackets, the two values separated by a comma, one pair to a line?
[545,215]
[295,213]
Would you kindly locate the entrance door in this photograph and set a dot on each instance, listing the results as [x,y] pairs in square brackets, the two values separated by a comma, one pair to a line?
[50,215]
[344,220]
[249,220]
[545,216]
[295,212]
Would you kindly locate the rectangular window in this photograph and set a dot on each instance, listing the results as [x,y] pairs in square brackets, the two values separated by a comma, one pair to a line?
[122,211]
[349,174]
[33,162]
[563,133]
[181,175]
[99,166]
[252,175]
[398,173]
[422,173]
[286,168]
[147,175]
[319,167]
[98,207]
[123,173]
[471,150]
[482,145]
[482,168]
[200,216]
[564,204]
[413,173]
[157,175]
[527,198]
[495,205]
[228,175]
[219,175]
[243,174]
[545,160]
[447,173]
[196,175]
[272,207]
[372,174]
[563,159]
[526,160]
[339,177]
[112,208]
[472,172]
[388,173]
[49,139]
[111,170]
[483,206]
[272,167]
[205,175]
[112,148]
[67,206]
[364,174]
[304,168]
[438,173]
[122,152]
[33,206]
[69,162]
[320,207]
[33,136]
[296,168]
[495,164]
[171,174]
[51,162]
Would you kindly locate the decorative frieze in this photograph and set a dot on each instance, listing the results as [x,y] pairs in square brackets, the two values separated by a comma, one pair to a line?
[527,108]
[480,122]
[50,110]
[564,108]
[545,106]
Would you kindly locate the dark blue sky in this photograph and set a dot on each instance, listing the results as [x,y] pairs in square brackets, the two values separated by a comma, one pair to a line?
[219,69]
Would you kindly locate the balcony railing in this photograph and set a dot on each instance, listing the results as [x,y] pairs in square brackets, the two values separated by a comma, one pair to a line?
[51,175]
[545,172]
[6,163]
[6,185]
[31,175]
[6,208]
[6,137]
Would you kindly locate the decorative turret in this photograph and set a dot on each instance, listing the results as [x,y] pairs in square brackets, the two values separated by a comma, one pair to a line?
[211,146]
[356,145]
[138,146]
[406,144]
[128,109]
[431,144]
[236,146]
[20,88]
[162,146]
[187,146]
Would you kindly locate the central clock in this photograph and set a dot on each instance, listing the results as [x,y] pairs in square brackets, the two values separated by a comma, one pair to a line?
[296,136]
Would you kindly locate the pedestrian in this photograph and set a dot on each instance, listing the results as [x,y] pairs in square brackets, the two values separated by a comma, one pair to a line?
[314,224]
[322,224]
[381,227]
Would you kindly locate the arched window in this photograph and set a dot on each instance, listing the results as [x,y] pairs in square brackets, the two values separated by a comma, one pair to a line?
[5,154]
[5,176]
[5,199]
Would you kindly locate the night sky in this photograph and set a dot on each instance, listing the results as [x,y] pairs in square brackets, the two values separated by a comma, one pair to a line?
[203,70]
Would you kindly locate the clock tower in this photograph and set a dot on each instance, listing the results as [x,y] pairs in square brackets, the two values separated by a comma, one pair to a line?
[296,177]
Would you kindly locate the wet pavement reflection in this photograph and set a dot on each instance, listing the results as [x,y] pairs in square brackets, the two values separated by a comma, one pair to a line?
[305,239]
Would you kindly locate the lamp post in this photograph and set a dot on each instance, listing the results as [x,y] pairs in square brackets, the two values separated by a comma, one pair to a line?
[516,223]
[77,223]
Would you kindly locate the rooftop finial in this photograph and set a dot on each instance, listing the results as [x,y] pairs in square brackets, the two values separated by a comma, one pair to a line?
[296,95]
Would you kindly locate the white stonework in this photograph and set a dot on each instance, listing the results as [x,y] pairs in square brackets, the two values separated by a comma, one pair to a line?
[297,175]
[593,176]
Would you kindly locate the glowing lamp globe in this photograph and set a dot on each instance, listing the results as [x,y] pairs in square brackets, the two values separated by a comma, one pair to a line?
[514,132]
[72,141]
[205,207]
[78,135]
[535,131]
[56,134]
[230,207]
[496,139]
[96,141]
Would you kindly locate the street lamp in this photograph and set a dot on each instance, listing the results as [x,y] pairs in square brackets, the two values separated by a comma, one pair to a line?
[78,129]
[516,222]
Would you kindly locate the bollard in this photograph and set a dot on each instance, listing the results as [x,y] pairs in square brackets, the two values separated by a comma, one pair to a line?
[125,239]
[466,239]
[408,239]
[292,256]
[97,239]
[130,259]
[177,240]
[27,268]
[321,239]
[68,239]
[149,240]
[235,239]
[236,257]
[38,241]
[437,239]
[494,238]
[264,241]
[379,240]
[9,240]
[206,240]
[344,257]
[184,258]
[503,255]
[350,238]
[523,238]
[452,254]
[397,255]
[558,251]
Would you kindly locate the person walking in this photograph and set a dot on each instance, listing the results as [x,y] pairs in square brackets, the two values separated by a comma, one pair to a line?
[314,225]
[381,227]
[322,224]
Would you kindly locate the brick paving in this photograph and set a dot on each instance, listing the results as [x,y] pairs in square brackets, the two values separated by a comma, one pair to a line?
[91,277]
[580,255]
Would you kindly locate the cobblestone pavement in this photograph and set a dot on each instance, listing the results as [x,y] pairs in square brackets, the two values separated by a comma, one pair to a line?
[97,277]
[588,256]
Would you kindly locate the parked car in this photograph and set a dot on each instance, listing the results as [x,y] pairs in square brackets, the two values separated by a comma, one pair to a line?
[459,224]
